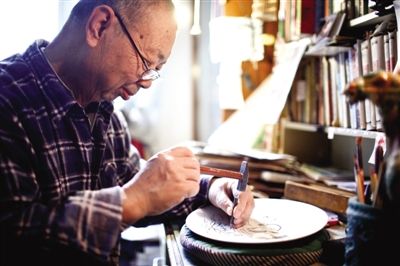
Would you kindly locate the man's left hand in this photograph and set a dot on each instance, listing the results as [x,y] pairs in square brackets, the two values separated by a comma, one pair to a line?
[221,194]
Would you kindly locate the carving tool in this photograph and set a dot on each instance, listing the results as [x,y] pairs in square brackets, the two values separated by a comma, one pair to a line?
[241,186]
[375,176]
[380,186]
[220,172]
[359,170]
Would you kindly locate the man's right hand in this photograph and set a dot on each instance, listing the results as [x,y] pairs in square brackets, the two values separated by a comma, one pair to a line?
[167,179]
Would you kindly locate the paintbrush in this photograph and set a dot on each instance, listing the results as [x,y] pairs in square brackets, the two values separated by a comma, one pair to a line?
[359,170]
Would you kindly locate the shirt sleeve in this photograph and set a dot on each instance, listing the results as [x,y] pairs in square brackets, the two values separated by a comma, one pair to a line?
[180,212]
[130,161]
[89,221]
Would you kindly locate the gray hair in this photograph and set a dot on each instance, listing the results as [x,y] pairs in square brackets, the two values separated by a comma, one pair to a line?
[131,10]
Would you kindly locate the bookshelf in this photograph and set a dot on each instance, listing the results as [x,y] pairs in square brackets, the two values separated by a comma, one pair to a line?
[319,126]
[333,131]
[317,145]
[369,20]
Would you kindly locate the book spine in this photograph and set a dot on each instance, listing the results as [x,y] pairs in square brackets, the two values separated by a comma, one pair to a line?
[392,49]
[327,92]
[366,68]
[378,63]
[334,91]
[363,118]
[342,80]
[354,111]
[386,46]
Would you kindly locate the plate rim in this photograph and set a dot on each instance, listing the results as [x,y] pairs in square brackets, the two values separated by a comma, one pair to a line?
[262,241]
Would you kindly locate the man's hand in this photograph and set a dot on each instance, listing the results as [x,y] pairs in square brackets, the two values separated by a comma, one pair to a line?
[221,194]
[167,179]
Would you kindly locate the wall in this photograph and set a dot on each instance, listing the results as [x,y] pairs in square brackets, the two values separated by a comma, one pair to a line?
[24,21]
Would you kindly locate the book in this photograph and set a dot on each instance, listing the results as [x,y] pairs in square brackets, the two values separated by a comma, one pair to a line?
[378,63]
[350,70]
[337,26]
[344,106]
[387,52]
[392,49]
[307,16]
[275,177]
[366,69]
[259,161]
[328,27]
[334,90]
[319,173]
[363,117]
[311,94]
[322,196]
[327,94]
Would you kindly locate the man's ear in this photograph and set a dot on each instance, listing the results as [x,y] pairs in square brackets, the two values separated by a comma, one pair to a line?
[97,23]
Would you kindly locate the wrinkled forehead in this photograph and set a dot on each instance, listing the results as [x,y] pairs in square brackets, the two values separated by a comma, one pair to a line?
[158,20]
[150,9]
[155,30]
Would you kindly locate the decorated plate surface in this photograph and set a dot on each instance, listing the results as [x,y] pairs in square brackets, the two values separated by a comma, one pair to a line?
[272,221]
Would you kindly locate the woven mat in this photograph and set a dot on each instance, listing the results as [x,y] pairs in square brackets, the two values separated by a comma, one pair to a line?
[304,251]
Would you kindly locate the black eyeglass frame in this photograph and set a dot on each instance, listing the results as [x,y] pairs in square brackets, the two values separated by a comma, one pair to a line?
[149,73]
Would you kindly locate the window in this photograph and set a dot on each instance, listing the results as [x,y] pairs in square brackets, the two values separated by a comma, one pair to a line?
[23,21]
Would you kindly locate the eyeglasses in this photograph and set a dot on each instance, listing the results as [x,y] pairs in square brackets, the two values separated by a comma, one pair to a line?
[149,73]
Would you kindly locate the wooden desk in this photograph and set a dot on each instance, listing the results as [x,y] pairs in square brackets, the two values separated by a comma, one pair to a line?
[320,195]
[175,255]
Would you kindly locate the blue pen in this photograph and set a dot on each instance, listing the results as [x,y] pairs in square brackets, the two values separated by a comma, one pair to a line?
[242,183]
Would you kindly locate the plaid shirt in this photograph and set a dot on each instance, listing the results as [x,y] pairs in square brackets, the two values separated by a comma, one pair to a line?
[60,177]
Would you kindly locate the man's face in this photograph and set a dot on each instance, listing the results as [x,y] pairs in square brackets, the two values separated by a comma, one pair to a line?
[121,72]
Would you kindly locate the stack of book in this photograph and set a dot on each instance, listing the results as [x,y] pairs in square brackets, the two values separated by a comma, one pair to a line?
[267,171]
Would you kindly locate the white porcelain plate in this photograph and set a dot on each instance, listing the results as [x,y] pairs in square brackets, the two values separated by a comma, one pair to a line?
[272,221]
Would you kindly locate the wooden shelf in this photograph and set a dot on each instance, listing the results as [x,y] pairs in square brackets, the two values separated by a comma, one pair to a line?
[332,131]
[349,132]
[326,50]
[328,47]
[368,20]
[303,126]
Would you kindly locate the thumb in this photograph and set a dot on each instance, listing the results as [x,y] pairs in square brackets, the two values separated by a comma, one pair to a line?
[225,203]
[224,200]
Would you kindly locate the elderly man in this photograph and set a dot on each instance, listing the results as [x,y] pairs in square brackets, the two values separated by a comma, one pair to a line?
[69,180]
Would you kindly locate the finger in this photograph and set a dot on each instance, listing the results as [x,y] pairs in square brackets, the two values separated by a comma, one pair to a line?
[241,206]
[234,193]
[193,176]
[243,210]
[185,162]
[190,169]
[240,220]
[224,202]
[248,209]
[190,163]
[181,151]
